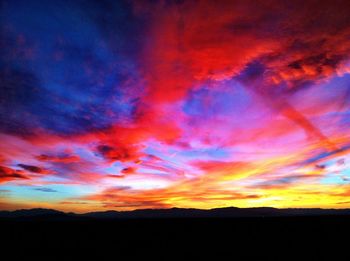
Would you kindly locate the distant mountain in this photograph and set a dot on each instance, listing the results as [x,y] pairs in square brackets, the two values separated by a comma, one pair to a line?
[230,212]
[34,212]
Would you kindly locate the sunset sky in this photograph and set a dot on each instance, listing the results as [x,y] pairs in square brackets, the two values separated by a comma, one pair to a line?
[156,104]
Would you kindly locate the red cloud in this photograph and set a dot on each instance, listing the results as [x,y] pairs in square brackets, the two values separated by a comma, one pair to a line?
[8,174]
[121,153]
[63,158]
[197,41]
[129,170]
[192,43]
[214,166]
[34,169]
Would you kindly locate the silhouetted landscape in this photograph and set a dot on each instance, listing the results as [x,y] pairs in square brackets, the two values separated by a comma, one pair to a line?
[229,212]
[192,233]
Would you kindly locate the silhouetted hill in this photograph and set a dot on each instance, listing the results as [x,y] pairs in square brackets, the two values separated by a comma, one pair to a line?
[229,212]
[34,212]
[238,233]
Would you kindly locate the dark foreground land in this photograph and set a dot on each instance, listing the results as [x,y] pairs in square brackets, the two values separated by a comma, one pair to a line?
[238,238]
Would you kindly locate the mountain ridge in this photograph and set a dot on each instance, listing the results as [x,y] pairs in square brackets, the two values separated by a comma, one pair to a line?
[225,212]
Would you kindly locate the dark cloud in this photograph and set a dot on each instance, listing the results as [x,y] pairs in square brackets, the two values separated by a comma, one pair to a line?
[58,69]
[31,168]
[45,190]
[4,192]
[8,174]
[324,155]
[282,181]
[64,158]
[121,153]
[115,176]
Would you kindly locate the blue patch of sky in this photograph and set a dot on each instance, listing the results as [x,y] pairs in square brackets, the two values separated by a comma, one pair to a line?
[208,101]
[331,179]
[63,192]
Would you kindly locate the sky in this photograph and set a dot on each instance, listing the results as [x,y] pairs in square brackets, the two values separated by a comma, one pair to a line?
[122,105]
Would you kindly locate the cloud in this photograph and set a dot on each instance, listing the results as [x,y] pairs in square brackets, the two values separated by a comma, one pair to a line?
[8,174]
[31,168]
[285,181]
[115,176]
[224,170]
[187,48]
[58,158]
[214,166]
[45,190]
[128,170]
[73,203]
[4,193]
[40,67]
[295,51]
[343,203]
[118,153]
